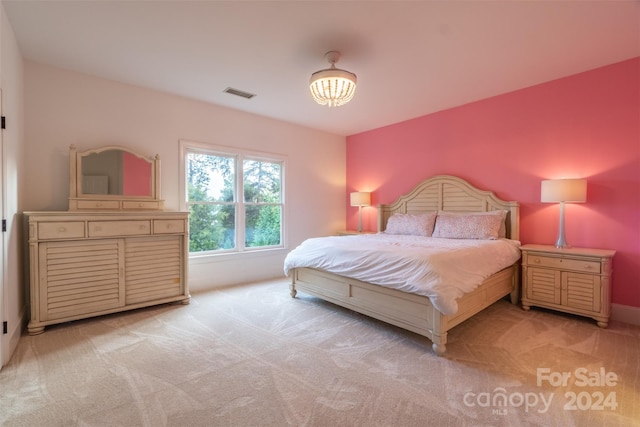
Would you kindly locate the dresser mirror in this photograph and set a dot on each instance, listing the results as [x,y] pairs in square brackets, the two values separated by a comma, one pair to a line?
[113,178]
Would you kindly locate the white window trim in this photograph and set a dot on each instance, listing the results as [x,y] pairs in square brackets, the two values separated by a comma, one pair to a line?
[243,154]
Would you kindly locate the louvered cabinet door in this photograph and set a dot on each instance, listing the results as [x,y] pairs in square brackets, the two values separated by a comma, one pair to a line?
[80,277]
[543,285]
[153,268]
[581,291]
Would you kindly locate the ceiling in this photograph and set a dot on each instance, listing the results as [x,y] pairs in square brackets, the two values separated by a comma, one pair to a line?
[412,58]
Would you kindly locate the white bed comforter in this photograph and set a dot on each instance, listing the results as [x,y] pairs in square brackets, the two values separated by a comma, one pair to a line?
[441,269]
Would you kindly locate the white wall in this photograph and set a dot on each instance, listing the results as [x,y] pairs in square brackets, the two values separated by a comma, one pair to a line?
[13,298]
[63,108]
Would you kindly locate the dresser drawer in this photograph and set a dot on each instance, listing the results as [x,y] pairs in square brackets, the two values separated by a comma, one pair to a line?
[140,205]
[583,266]
[98,204]
[119,228]
[61,230]
[168,226]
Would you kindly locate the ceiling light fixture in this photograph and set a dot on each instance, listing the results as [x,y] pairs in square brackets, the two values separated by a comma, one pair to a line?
[332,86]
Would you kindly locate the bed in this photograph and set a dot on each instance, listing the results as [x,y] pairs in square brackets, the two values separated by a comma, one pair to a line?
[448,196]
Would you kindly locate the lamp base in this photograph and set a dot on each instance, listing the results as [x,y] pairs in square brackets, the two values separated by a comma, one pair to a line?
[561,243]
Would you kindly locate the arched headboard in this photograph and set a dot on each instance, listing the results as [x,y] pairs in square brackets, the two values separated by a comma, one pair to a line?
[450,193]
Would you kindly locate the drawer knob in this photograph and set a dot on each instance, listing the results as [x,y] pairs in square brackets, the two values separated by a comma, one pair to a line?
[537,260]
[587,267]
[99,204]
[140,204]
[62,229]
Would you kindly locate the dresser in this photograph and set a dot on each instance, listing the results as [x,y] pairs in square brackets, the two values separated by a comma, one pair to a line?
[89,264]
[572,280]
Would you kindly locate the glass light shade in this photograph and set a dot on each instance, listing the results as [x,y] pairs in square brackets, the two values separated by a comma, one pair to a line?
[564,190]
[332,86]
[360,198]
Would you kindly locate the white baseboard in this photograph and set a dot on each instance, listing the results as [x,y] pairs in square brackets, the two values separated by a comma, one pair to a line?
[625,313]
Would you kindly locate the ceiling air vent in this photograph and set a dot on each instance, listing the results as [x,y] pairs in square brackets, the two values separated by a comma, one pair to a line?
[238,92]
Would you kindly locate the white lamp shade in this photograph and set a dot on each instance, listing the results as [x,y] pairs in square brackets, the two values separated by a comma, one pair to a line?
[360,198]
[564,190]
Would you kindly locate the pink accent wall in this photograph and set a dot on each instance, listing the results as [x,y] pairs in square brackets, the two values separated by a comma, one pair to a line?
[582,126]
[136,175]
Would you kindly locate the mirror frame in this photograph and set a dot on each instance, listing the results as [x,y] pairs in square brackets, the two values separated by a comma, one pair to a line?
[80,201]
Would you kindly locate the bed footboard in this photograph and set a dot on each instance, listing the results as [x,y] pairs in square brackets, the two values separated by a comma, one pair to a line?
[408,311]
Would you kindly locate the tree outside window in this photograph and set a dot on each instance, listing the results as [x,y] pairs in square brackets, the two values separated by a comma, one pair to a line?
[219,220]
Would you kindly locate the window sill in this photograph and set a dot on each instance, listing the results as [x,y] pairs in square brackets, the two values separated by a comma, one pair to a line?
[234,256]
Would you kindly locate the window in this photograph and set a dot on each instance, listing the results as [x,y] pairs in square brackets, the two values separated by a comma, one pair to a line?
[235,199]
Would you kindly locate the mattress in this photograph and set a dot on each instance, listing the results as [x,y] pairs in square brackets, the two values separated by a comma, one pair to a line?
[439,268]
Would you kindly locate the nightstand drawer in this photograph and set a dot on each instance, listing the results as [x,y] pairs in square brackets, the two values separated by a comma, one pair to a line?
[584,266]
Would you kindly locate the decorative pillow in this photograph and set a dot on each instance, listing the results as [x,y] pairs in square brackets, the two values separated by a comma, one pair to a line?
[467,226]
[410,224]
[501,213]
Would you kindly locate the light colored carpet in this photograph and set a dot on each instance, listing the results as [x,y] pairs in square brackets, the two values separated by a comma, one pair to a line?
[253,356]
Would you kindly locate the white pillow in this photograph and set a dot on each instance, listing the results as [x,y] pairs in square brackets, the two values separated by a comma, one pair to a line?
[467,226]
[411,224]
[501,213]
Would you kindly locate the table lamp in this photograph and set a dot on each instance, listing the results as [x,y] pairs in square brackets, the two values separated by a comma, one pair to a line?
[360,199]
[563,191]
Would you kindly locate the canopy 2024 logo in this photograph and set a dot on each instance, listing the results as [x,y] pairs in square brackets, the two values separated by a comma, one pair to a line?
[499,400]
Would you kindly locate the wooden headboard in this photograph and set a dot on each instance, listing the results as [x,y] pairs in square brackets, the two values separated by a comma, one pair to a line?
[450,193]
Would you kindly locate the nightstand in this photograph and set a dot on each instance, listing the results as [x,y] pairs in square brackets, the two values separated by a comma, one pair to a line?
[353,232]
[572,280]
